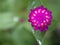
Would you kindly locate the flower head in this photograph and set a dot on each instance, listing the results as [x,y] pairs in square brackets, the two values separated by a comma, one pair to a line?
[40,18]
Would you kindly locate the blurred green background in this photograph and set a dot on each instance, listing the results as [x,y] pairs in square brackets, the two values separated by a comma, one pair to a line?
[15,28]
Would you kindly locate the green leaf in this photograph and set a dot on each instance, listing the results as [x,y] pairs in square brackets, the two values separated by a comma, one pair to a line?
[5,38]
[7,20]
[22,35]
[39,35]
[53,26]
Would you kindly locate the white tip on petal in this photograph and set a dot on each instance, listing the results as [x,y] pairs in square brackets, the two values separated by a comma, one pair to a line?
[36,12]
[42,24]
[44,21]
[47,20]
[39,10]
[46,13]
[32,17]
[47,16]
[43,11]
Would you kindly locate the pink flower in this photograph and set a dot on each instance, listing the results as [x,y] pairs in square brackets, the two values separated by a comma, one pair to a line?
[40,18]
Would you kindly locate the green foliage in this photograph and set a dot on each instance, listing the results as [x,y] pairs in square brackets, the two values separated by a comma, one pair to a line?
[14,32]
[7,20]
[22,36]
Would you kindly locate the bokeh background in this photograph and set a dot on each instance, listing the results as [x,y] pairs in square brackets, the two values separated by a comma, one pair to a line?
[15,28]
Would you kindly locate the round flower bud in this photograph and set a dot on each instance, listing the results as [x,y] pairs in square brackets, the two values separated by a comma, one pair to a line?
[40,18]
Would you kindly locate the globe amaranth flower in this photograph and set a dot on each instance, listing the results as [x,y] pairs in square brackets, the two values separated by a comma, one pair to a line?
[40,18]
